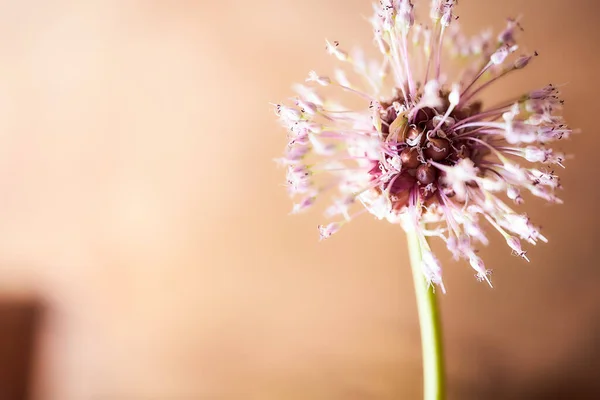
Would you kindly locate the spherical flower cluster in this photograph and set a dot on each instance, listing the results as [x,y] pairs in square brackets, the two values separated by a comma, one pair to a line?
[423,151]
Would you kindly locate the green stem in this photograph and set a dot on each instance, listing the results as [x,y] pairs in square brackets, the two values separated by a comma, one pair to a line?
[431,331]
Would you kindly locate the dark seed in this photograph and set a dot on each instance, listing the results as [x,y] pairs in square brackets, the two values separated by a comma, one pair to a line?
[412,134]
[426,174]
[423,115]
[402,183]
[410,158]
[437,149]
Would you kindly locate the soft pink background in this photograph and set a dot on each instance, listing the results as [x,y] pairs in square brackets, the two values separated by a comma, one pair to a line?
[140,203]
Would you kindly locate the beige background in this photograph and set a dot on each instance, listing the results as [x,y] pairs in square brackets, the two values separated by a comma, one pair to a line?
[139,202]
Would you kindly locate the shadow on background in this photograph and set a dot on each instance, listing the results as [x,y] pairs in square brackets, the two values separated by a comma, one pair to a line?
[573,377]
[19,323]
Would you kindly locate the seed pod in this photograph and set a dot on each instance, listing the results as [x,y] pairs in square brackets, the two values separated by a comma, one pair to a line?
[423,115]
[412,134]
[410,158]
[426,174]
[437,149]
[402,183]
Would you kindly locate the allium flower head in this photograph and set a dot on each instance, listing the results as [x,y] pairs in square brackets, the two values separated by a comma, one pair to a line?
[422,150]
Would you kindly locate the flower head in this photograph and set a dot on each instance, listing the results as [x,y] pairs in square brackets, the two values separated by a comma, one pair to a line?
[423,150]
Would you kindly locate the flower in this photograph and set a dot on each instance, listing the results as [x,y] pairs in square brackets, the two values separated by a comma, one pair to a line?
[422,150]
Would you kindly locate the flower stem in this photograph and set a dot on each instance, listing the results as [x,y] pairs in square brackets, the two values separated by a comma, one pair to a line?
[431,331]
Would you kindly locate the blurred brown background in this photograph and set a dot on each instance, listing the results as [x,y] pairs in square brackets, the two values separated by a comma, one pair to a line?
[142,217]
